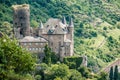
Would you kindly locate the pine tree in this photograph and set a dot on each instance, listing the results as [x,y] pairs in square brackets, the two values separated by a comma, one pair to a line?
[116,73]
[47,58]
[111,73]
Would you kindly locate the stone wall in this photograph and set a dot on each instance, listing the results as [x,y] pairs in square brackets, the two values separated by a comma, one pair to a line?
[21,19]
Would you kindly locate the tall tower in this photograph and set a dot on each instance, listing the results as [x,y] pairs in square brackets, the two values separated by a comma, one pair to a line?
[71,35]
[21,19]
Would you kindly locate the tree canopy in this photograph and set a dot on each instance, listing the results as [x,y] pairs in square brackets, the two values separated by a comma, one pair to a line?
[14,58]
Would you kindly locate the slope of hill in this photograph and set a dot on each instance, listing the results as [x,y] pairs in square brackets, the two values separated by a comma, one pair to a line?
[97,27]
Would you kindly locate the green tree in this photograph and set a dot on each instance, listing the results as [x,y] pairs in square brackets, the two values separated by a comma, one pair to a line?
[118,25]
[57,71]
[85,72]
[116,73]
[6,28]
[47,58]
[50,57]
[14,58]
[111,73]
[103,76]
[75,75]
[61,70]
[34,23]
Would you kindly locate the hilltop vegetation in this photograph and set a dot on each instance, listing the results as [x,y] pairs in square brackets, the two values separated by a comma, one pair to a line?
[97,24]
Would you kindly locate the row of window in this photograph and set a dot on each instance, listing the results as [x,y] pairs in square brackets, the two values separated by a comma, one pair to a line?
[35,49]
[33,43]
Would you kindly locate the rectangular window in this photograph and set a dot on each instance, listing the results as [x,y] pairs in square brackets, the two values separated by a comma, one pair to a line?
[39,49]
[36,43]
[25,44]
[29,43]
[30,49]
[36,48]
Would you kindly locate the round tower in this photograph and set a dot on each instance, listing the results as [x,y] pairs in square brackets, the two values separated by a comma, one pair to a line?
[21,19]
[71,35]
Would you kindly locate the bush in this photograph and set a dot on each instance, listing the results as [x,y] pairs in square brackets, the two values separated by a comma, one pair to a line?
[73,62]
[37,77]
[85,72]
[75,75]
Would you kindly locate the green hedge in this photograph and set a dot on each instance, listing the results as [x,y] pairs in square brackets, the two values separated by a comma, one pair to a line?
[73,62]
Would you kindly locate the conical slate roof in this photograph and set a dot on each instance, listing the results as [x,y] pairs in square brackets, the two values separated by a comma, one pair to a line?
[71,22]
[64,20]
[41,25]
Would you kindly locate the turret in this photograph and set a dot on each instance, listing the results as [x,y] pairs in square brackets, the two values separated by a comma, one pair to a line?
[71,22]
[41,28]
[64,20]
[71,35]
[62,51]
[41,25]
[71,26]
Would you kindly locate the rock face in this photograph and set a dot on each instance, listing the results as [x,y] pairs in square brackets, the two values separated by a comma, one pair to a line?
[58,33]
[21,20]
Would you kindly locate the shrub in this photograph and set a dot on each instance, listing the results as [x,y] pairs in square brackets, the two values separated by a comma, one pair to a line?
[73,62]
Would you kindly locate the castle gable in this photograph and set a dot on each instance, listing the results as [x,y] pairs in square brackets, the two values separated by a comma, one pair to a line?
[54,26]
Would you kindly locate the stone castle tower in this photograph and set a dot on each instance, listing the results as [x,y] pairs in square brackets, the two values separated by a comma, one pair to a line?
[21,20]
[58,34]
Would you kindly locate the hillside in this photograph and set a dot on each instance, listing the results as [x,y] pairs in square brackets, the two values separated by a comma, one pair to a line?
[97,24]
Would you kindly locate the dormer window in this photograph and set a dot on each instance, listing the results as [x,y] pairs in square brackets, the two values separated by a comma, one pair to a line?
[21,17]
[47,26]
[56,26]
[63,29]
[15,23]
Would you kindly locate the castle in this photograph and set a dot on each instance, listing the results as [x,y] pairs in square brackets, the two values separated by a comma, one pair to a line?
[55,32]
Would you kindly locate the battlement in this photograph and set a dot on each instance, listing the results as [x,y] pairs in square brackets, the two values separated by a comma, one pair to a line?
[24,6]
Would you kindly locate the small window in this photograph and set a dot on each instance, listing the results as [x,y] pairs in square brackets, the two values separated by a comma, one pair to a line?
[36,43]
[41,43]
[56,26]
[33,49]
[39,49]
[15,23]
[29,43]
[30,49]
[47,26]
[21,17]
[25,44]
[36,48]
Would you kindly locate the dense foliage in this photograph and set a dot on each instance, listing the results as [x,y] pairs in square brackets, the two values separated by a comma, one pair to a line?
[50,57]
[73,62]
[14,59]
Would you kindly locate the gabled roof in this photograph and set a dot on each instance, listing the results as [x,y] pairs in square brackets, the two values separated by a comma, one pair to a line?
[54,26]
[33,39]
